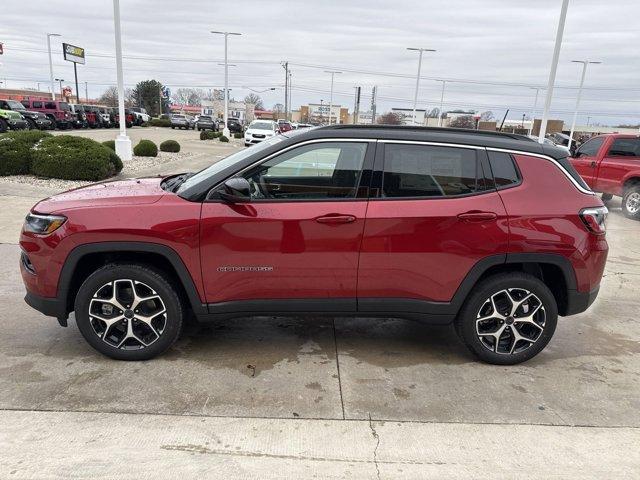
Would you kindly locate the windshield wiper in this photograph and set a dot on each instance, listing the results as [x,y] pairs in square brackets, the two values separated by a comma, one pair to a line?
[174,183]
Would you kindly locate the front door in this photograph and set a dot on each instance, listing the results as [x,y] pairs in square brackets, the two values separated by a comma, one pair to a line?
[622,156]
[437,216]
[585,160]
[295,246]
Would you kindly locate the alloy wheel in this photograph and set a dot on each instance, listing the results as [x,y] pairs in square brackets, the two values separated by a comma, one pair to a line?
[510,321]
[632,203]
[127,314]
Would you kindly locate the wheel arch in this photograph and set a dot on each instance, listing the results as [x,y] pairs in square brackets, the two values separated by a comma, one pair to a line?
[85,259]
[554,270]
[632,179]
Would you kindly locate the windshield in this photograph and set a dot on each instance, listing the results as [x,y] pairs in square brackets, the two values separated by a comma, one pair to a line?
[227,162]
[261,126]
[204,117]
[13,105]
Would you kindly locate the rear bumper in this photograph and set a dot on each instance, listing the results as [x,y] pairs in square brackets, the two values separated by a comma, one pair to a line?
[578,302]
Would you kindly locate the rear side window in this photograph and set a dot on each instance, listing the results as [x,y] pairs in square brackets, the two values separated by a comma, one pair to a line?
[430,171]
[625,147]
[50,106]
[566,164]
[505,173]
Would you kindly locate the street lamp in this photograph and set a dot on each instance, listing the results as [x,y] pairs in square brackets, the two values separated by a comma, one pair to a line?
[332,72]
[552,72]
[49,35]
[60,80]
[123,143]
[225,131]
[415,96]
[575,113]
[441,103]
[321,112]
[260,91]
[533,111]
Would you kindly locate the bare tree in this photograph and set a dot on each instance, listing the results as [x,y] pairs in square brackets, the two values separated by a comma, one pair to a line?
[278,108]
[188,96]
[390,118]
[486,116]
[255,100]
[463,121]
[434,113]
[109,97]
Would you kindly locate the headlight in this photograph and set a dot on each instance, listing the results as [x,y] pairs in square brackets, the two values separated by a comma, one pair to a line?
[43,224]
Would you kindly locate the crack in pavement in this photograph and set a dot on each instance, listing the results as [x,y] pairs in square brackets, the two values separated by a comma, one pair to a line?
[375,450]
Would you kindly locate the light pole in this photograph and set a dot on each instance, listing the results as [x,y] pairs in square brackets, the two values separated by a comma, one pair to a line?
[123,143]
[415,96]
[441,103]
[552,72]
[225,131]
[321,112]
[259,91]
[60,80]
[533,111]
[575,113]
[49,35]
[332,72]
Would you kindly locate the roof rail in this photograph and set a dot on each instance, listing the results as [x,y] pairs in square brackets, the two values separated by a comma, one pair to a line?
[408,128]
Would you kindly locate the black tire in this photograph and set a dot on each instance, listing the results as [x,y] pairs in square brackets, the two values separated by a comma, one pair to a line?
[31,124]
[518,283]
[147,279]
[606,197]
[4,126]
[172,127]
[630,202]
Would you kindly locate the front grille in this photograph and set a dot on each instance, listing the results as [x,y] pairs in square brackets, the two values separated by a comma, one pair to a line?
[258,135]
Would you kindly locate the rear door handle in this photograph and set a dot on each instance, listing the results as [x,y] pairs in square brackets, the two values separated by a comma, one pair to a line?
[476,216]
[335,219]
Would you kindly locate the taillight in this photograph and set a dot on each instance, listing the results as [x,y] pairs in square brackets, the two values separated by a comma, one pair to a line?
[594,218]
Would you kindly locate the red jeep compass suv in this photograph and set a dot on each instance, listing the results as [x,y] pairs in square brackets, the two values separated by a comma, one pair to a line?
[492,232]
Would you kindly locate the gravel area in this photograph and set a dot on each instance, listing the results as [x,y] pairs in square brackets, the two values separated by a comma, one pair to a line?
[130,169]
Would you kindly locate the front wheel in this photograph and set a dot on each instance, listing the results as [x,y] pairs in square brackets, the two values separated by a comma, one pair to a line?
[508,318]
[4,126]
[128,312]
[631,202]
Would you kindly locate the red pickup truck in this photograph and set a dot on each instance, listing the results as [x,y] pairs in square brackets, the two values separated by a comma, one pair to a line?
[611,164]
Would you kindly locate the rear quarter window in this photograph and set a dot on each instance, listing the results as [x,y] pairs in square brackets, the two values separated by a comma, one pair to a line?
[505,172]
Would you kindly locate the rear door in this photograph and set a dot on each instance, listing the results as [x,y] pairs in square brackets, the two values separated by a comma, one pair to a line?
[585,160]
[295,246]
[622,156]
[436,215]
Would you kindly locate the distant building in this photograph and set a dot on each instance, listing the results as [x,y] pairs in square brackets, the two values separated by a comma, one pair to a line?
[406,115]
[319,113]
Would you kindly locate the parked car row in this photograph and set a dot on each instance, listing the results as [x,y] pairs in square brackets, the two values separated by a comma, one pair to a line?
[260,130]
[45,114]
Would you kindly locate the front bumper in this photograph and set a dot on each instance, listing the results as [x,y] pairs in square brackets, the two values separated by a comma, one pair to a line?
[51,307]
[17,124]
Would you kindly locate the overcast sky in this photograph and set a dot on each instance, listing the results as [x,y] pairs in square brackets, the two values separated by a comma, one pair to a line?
[493,51]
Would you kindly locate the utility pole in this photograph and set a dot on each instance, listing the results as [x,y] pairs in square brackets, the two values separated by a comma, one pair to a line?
[441,113]
[285,65]
[49,35]
[373,105]
[552,72]
[60,80]
[332,72]
[575,113]
[86,92]
[290,115]
[415,96]
[356,106]
[159,99]
[225,131]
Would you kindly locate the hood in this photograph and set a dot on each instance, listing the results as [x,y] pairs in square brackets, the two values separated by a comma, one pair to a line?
[135,191]
[259,131]
[10,114]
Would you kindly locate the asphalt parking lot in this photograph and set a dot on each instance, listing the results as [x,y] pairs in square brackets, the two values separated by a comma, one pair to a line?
[358,398]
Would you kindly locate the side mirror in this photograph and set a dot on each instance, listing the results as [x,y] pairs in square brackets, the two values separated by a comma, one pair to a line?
[236,190]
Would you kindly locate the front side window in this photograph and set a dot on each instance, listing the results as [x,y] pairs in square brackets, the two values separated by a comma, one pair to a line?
[430,171]
[322,171]
[590,147]
[37,105]
[625,147]
[50,105]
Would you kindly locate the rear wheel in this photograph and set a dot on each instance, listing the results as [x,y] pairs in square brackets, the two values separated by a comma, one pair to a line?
[508,318]
[128,312]
[631,202]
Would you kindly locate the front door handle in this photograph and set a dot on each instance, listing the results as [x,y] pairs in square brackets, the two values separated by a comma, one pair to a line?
[593,164]
[335,219]
[477,216]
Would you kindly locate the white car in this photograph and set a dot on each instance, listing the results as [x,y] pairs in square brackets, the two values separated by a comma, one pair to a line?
[260,130]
